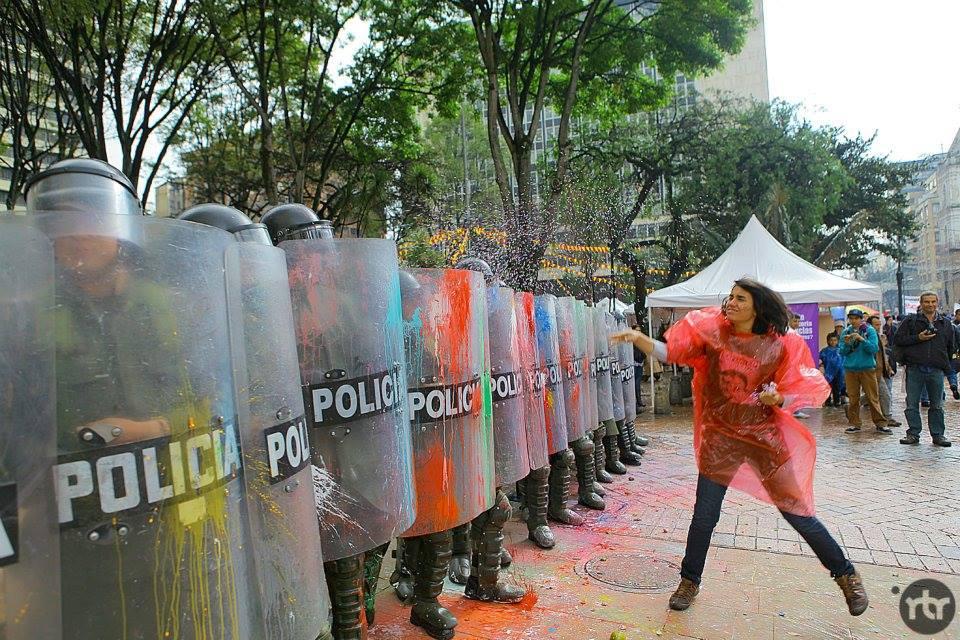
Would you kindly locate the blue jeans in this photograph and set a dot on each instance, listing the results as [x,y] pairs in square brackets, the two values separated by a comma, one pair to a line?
[706,512]
[931,382]
[951,380]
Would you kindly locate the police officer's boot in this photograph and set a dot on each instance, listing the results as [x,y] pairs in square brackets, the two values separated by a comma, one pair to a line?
[627,456]
[402,577]
[560,463]
[345,583]
[586,482]
[486,533]
[633,439]
[613,455]
[433,558]
[372,564]
[535,490]
[600,457]
[459,569]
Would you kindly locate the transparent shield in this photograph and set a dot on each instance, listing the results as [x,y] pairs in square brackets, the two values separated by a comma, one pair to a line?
[533,382]
[602,351]
[570,329]
[346,305]
[616,385]
[626,375]
[590,369]
[449,397]
[275,442]
[506,375]
[154,530]
[29,546]
[548,347]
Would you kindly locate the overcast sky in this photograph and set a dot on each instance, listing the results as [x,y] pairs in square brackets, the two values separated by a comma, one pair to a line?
[890,66]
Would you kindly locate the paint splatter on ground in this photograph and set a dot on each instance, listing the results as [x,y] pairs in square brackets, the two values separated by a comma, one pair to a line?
[757,593]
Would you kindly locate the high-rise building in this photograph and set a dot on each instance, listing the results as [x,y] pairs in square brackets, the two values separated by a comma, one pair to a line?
[745,74]
[934,199]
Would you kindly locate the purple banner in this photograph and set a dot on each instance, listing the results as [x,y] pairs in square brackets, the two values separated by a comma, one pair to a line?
[809,328]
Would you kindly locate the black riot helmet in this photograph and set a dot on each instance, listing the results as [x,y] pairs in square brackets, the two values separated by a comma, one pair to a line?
[479,265]
[295,222]
[228,219]
[82,185]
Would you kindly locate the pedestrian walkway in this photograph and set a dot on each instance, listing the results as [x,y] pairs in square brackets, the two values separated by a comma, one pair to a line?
[894,508]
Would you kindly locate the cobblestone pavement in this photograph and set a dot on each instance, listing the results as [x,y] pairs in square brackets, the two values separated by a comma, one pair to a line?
[895,509]
[891,504]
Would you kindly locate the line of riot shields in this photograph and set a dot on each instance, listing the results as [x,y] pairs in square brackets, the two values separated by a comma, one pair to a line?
[214,429]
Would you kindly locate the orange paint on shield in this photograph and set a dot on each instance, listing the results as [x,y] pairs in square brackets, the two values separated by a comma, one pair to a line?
[434,474]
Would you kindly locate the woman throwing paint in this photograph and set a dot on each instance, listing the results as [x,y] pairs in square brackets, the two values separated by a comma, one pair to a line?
[748,373]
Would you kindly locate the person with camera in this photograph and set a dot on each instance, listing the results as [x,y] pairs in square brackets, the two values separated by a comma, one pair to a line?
[858,346]
[926,342]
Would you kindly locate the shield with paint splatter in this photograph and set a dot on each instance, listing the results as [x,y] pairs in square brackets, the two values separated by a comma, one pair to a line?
[602,351]
[627,377]
[616,385]
[449,397]
[571,340]
[506,375]
[590,368]
[154,523]
[347,309]
[274,439]
[548,348]
[533,382]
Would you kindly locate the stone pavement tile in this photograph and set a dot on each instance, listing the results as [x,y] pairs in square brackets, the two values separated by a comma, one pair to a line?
[926,550]
[885,557]
[712,623]
[936,564]
[909,561]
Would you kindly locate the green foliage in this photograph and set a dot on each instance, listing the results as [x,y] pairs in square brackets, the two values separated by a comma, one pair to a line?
[418,252]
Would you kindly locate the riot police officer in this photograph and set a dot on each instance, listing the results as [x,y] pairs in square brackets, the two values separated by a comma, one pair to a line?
[152,502]
[478,551]
[346,300]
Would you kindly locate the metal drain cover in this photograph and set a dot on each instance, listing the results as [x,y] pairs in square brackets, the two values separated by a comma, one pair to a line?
[633,573]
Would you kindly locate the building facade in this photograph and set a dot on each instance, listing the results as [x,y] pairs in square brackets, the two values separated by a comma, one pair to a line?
[934,199]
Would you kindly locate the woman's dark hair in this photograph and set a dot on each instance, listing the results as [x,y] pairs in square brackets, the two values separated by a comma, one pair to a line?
[772,312]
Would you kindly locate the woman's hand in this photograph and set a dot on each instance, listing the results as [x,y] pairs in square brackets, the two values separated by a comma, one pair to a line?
[771,398]
[639,339]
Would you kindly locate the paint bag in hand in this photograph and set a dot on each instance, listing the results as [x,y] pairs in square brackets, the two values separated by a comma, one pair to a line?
[738,441]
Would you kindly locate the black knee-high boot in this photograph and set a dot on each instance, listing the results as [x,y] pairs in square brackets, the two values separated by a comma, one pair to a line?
[557,509]
[345,583]
[433,558]
[536,488]
[586,482]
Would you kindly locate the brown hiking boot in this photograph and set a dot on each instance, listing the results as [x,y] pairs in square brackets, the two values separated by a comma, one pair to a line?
[853,591]
[684,595]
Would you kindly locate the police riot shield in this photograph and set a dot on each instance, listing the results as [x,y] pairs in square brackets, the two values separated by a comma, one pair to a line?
[590,368]
[602,351]
[346,306]
[571,364]
[532,381]
[449,399]
[154,530]
[626,374]
[548,348]
[506,372]
[285,538]
[29,550]
[616,384]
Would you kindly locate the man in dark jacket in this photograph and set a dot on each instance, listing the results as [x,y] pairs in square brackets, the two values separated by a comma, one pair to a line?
[926,342]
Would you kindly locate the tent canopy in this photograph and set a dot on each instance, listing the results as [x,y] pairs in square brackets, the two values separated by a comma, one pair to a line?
[757,254]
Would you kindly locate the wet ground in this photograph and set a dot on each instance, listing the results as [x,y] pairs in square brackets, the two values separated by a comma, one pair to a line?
[894,508]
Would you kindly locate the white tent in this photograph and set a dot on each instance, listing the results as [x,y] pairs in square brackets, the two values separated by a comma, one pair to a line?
[618,304]
[757,254]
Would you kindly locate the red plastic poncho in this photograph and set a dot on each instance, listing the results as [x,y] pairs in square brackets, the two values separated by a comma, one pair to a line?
[738,441]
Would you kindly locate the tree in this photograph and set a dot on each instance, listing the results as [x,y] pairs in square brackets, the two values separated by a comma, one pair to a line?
[32,118]
[579,57]
[319,128]
[129,70]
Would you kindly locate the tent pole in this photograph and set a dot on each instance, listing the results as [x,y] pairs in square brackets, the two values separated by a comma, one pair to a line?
[653,401]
